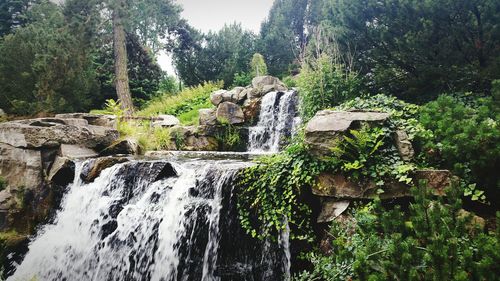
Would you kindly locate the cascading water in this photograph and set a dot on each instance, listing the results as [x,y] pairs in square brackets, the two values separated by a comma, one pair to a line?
[153,220]
[276,122]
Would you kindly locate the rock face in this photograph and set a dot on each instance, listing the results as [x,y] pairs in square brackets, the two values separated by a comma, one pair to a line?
[191,138]
[94,167]
[403,145]
[166,121]
[36,162]
[207,116]
[230,112]
[251,110]
[325,129]
[126,146]
[265,84]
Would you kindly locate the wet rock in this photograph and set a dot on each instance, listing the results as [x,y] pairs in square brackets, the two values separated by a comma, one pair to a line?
[331,208]
[231,113]
[207,116]
[94,167]
[251,110]
[166,121]
[326,128]
[62,172]
[217,97]
[127,146]
[404,145]
[92,119]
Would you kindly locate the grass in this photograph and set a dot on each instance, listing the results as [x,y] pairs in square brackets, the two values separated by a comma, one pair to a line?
[184,105]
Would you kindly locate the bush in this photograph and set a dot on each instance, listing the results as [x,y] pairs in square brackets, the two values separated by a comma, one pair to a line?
[184,105]
[464,136]
[242,79]
[3,183]
[434,240]
[324,84]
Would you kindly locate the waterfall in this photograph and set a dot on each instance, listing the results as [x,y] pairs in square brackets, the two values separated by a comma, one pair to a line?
[153,220]
[276,121]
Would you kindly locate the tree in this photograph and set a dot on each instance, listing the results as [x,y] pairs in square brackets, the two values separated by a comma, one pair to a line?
[258,65]
[12,14]
[413,48]
[43,67]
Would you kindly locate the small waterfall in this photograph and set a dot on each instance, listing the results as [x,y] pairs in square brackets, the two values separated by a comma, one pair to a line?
[276,121]
[153,220]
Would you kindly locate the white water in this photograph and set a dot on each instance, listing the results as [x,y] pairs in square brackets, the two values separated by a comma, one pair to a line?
[276,122]
[145,244]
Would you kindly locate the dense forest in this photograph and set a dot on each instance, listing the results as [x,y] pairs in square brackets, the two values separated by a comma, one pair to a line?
[434,66]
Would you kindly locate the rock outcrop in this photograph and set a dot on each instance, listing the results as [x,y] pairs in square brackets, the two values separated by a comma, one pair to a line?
[37,162]
[231,113]
[207,117]
[327,127]
[166,121]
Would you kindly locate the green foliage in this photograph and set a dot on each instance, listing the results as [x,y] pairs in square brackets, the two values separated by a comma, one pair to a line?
[270,194]
[184,105]
[409,49]
[368,155]
[213,56]
[433,240]
[12,14]
[464,136]
[43,66]
[230,137]
[290,81]
[242,79]
[323,84]
[169,85]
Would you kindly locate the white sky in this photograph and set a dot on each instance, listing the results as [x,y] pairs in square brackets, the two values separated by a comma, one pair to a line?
[207,15]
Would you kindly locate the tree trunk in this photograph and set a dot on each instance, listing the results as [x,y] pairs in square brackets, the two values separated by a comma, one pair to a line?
[120,50]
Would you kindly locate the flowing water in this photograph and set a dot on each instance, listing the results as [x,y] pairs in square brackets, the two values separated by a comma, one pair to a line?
[276,122]
[153,220]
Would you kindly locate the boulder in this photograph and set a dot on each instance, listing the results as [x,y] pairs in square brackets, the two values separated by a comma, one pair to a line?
[217,97]
[324,130]
[2,113]
[437,180]
[265,84]
[404,145]
[47,133]
[166,121]
[75,151]
[125,146]
[331,208]
[104,120]
[192,138]
[62,171]
[251,110]
[230,112]
[6,202]
[207,116]
[244,95]
[21,167]
[338,186]
[94,167]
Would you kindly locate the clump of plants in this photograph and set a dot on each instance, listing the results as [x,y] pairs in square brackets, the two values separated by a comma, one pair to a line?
[3,183]
[229,137]
[270,194]
[433,240]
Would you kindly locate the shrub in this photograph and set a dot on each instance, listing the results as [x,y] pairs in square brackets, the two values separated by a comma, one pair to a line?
[3,183]
[464,136]
[242,79]
[434,240]
[324,84]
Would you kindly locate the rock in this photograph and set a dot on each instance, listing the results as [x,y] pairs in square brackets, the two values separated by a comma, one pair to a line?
[48,133]
[126,146]
[244,95]
[338,186]
[251,110]
[474,223]
[324,130]
[231,113]
[21,167]
[2,113]
[201,143]
[92,119]
[207,116]
[216,97]
[166,121]
[331,209]
[62,172]
[192,138]
[94,167]
[6,201]
[265,84]
[74,151]
[437,180]
[403,145]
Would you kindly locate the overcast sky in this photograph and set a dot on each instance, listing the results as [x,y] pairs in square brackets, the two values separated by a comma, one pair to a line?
[207,15]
